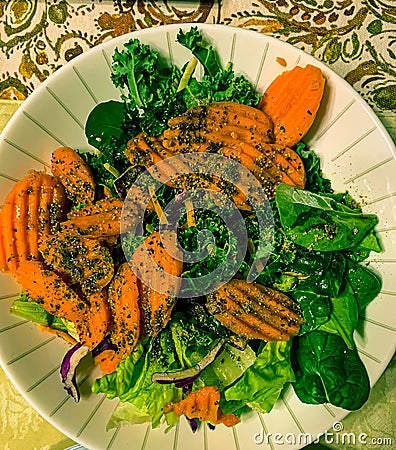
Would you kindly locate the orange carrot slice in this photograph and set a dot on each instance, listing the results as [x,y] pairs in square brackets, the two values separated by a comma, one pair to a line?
[254,311]
[203,404]
[156,307]
[292,101]
[74,173]
[32,208]
[123,300]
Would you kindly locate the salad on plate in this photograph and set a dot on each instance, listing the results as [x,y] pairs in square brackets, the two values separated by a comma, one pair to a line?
[196,251]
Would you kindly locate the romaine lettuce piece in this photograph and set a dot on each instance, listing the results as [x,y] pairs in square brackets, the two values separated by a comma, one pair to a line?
[262,383]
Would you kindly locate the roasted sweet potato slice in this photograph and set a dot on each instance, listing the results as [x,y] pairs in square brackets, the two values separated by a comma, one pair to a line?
[79,260]
[203,404]
[156,302]
[124,304]
[292,101]
[33,208]
[74,174]
[254,311]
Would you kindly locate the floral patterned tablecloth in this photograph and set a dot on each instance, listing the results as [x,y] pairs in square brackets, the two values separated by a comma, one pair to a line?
[357,39]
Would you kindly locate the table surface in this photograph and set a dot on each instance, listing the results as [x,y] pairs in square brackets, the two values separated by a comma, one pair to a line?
[354,38]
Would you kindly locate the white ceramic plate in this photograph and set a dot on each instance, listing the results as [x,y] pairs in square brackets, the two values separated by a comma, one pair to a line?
[357,154]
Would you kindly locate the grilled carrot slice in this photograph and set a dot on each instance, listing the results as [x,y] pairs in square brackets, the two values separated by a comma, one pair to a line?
[98,320]
[56,297]
[147,152]
[97,220]
[99,225]
[203,404]
[292,101]
[107,361]
[219,122]
[104,205]
[32,208]
[78,260]
[91,316]
[139,152]
[233,109]
[156,307]
[219,114]
[74,173]
[242,133]
[254,311]
[123,299]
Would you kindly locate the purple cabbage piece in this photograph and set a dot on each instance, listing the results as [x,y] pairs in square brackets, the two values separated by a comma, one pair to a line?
[68,369]
[187,388]
[105,344]
[127,179]
[193,424]
[185,377]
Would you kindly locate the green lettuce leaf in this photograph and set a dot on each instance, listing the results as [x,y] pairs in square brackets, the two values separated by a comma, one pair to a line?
[262,383]
[181,345]
[132,382]
[30,310]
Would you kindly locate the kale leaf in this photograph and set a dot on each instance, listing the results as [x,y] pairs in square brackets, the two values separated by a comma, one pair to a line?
[217,83]
[315,180]
[207,56]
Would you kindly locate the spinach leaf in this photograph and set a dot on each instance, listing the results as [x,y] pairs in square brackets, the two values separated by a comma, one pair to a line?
[344,316]
[105,121]
[319,222]
[316,309]
[320,277]
[327,371]
[322,272]
[365,284]
[371,243]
